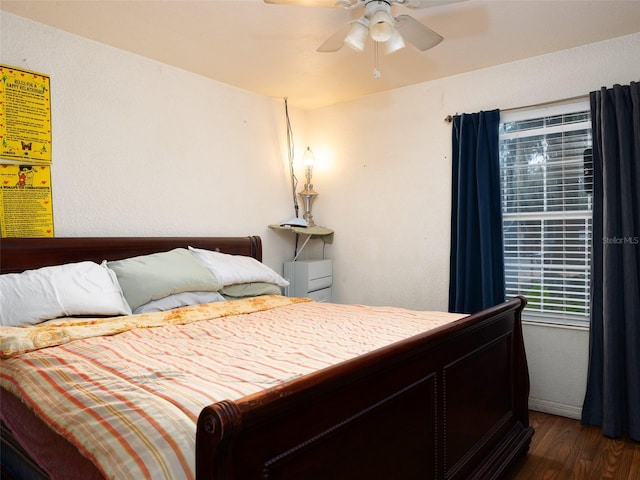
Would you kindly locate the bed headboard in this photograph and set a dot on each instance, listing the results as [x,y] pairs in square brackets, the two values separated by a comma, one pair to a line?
[19,254]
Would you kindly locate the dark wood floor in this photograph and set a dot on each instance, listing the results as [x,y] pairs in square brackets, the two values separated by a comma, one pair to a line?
[563,449]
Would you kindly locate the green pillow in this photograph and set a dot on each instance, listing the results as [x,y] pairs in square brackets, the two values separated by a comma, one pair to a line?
[240,290]
[155,276]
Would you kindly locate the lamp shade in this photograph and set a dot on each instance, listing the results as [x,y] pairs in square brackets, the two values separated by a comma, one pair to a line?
[381,26]
[358,34]
[396,42]
[308,158]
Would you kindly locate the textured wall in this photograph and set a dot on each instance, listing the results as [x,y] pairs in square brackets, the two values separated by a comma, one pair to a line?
[142,148]
[386,186]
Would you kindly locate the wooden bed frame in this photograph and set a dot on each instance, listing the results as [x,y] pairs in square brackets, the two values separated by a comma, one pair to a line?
[447,404]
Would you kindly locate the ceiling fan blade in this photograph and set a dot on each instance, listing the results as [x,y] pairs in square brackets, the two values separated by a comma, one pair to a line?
[335,41]
[415,4]
[305,3]
[414,32]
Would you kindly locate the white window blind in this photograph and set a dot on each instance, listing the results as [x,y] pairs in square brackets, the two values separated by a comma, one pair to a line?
[547,210]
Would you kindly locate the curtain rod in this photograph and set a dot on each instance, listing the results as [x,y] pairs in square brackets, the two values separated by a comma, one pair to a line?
[449,118]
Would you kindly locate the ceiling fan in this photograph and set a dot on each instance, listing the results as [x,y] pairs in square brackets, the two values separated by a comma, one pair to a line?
[377,23]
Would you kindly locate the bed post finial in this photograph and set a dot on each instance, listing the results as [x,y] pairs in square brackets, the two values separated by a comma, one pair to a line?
[217,426]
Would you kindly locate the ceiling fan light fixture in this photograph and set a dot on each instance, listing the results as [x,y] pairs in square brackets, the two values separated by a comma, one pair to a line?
[381,26]
[358,35]
[395,43]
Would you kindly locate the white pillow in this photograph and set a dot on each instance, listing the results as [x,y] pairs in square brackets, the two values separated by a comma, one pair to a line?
[233,269]
[179,300]
[83,288]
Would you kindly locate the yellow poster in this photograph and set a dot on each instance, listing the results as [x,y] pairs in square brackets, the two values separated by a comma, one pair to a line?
[25,115]
[25,201]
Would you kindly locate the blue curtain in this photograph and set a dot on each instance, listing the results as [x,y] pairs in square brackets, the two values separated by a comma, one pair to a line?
[612,400]
[476,278]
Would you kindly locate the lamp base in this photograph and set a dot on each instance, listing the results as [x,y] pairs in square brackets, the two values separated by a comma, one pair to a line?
[308,196]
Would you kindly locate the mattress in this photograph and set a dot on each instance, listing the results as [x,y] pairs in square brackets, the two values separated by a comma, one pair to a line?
[126,392]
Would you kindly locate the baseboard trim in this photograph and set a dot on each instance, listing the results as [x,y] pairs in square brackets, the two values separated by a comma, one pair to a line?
[555,408]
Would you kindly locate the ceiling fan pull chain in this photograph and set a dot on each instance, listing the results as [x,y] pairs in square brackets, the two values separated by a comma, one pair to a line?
[376,72]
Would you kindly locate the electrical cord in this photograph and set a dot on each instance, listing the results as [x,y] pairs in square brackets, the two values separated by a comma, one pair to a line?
[292,173]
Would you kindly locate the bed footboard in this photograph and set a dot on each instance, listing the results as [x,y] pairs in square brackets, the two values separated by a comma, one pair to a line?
[447,404]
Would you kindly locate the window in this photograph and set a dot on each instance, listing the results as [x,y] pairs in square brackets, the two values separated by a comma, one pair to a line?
[546,183]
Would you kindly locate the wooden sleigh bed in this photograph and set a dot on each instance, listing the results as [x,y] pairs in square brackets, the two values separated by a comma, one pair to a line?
[450,403]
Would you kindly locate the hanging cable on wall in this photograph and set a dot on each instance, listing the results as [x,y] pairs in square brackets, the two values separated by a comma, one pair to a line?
[292,173]
[290,148]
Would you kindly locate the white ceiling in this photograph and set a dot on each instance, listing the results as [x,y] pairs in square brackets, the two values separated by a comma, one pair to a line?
[271,49]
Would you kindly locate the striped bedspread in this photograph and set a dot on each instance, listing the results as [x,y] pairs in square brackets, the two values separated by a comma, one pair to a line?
[127,391]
